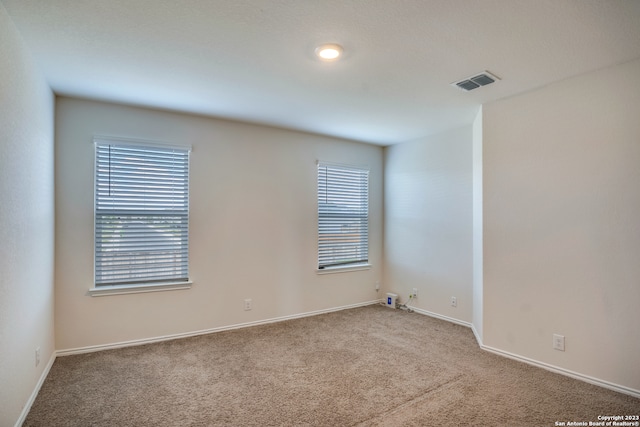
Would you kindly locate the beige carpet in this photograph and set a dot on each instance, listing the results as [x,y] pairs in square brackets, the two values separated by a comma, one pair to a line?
[369,366]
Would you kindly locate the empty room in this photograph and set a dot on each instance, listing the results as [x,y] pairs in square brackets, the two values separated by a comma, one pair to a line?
[319,213]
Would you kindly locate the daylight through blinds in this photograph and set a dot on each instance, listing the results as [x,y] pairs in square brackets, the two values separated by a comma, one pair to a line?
[141,214]
[343,215]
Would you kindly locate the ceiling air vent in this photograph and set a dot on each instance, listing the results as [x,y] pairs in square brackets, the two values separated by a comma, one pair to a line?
[476,81]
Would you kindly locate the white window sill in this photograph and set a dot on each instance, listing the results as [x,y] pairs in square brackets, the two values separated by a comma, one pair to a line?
[343,269]
[102,291]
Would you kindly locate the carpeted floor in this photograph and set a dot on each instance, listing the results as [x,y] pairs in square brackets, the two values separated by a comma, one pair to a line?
[369,366]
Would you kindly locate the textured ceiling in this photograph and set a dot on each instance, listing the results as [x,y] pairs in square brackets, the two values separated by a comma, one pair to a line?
[252,60]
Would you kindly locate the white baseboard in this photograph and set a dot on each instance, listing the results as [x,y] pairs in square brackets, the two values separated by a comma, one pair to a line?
[89,349]
[565,372]
[93,348]
[440,316]
[578,376]
[36,390]
[476,334]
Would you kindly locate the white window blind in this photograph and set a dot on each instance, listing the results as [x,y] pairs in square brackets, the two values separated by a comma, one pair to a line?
[141,213]
[343,215]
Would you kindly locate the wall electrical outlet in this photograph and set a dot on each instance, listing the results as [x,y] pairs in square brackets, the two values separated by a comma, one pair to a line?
[377,286]
[414,294]
[37,356]
[558,342]
[247,304]
[454,302]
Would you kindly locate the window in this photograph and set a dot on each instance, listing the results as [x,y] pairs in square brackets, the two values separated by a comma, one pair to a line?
[343,216]
[141,213]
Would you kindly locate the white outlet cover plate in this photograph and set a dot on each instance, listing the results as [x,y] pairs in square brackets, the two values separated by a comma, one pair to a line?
[558,342]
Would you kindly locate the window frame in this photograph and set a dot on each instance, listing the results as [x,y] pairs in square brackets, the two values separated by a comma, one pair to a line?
[340,267]
[133,286]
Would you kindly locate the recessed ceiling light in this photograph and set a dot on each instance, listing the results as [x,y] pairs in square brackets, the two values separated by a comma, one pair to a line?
[329,52]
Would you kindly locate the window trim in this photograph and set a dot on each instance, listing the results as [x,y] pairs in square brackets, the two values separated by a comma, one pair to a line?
[138,288]
[142,286]
[343,268]
[348,267]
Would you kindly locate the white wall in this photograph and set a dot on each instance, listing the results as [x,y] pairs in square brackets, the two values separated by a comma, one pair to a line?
[26,223]
[428,222]
[252,222]
[562,224]
[478,309]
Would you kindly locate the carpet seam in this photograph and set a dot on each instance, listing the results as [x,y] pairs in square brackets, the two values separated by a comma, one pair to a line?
[409,402]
